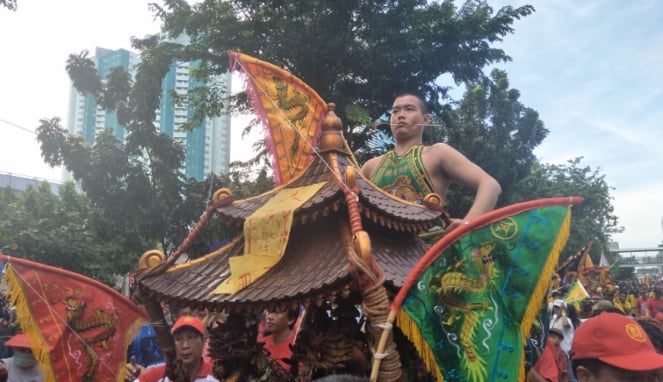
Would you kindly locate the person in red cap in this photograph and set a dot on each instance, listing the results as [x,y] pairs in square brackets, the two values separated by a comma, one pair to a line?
[22,366]
[613,347]
[189,335]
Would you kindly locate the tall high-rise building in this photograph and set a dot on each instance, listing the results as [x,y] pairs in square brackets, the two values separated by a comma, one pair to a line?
[207,148]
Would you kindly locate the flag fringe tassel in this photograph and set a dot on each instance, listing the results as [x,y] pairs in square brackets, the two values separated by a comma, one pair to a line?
[541,288]
[28,325]
[412,332]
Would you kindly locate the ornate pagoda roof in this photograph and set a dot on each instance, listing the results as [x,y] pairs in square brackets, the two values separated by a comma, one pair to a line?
[315,262]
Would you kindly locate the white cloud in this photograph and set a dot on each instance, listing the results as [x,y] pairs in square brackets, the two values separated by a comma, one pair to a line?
[641,215]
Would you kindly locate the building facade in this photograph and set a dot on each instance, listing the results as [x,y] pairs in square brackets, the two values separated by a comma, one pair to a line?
[207,148]
[20,183]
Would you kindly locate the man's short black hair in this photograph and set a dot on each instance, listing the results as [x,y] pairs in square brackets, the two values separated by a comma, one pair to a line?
[422,101]
[293,313]
[591,364]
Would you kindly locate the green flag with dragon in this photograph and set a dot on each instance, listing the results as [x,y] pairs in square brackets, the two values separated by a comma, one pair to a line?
[470,302]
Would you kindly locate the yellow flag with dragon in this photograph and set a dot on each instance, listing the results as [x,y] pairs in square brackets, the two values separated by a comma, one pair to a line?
[290,110]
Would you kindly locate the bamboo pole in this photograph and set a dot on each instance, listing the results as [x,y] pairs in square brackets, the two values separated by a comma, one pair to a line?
[384,338]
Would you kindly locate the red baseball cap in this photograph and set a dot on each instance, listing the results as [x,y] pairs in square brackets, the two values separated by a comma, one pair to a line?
[192,322]
[18,341]
[616,340]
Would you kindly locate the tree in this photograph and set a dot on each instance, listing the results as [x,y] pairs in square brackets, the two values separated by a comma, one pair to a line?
[593,220]
[63,230]
[358,54]
[135,195]
[9,4]
[496,131]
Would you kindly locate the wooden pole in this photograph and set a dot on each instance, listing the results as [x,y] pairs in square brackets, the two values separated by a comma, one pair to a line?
[377,356]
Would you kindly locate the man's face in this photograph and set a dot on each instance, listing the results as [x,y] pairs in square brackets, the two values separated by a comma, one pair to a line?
[407,117]
[276,322]
[188,345]
[556,338]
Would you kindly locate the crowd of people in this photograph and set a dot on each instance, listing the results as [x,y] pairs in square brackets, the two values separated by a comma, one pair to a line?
[146,363]
[597,339]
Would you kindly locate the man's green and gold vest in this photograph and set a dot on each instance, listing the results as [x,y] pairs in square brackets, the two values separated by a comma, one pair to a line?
[404,176]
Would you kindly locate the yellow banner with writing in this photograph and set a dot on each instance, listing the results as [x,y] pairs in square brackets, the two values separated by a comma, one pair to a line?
[266,234]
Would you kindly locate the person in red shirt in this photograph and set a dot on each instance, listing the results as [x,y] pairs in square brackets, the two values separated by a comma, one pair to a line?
[655,304]
[546,368]
[279,334]
[557,336]
[189,335]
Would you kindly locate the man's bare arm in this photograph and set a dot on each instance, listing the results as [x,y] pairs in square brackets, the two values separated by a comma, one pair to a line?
[369,167]
[449,162]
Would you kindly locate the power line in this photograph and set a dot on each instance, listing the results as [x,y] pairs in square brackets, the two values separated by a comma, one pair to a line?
[17,126]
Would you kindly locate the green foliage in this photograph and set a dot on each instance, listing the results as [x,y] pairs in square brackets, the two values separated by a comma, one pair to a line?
[60,230]
[12,5]
[358,54]
[133,197]
[593,220]
[496,131]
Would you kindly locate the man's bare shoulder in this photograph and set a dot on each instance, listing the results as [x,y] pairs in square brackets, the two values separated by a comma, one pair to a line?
[438,147]
[439,152]
[369,167]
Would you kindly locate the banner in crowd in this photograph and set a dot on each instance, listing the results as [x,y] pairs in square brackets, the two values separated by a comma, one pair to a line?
[576,294]
[78,328]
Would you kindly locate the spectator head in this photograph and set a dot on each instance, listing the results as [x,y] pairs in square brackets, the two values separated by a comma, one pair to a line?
[611,347]
[654,330]
[189,336]
[602,306]
[558,306]
[190,322]
[278,319]
[23,356]
[556,335]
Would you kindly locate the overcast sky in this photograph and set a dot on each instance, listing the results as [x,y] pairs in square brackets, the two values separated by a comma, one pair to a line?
[592,69]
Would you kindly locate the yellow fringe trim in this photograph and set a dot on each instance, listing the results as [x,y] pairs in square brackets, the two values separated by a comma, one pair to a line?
[411,331]
[542,286]
[132,331]
[28,324]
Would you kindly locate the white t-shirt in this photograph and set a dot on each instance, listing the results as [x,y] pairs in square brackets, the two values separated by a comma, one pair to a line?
[16,374]
[157,374]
